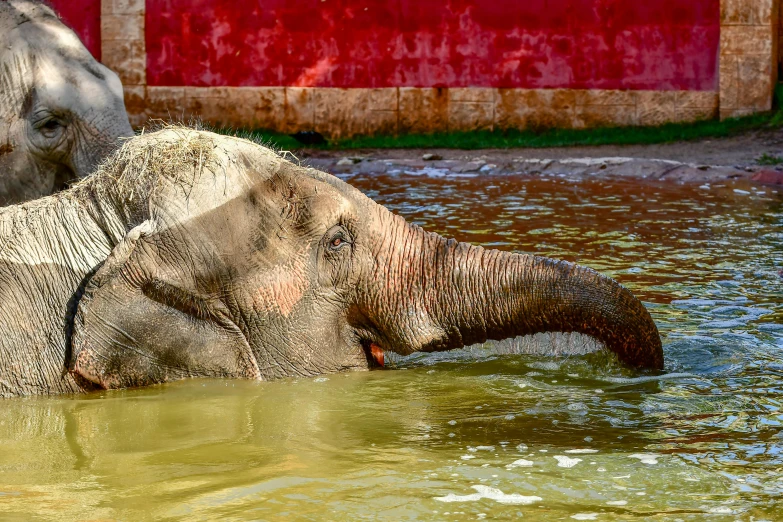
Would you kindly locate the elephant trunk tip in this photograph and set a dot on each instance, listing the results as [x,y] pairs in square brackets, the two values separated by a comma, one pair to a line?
[625,326]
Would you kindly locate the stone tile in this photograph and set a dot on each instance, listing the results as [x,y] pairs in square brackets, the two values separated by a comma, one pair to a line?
[137,121]
[334,112]
[166,103]
[135,97]
[657,107]
[122,27]
[589,116]
[342,113]
[472,94]
[657,98]
[249,107]
[112,7]
[202,103]
[671,114]
[534,108]
[381,99]
[423,110]
[735,113]
[127,58]
[605,97]
[747,12]
[755,82]
[697,114]
[381,123]
[746,39]
[698,99]
[299,109]
[269,108]
[471,116]
[729,82]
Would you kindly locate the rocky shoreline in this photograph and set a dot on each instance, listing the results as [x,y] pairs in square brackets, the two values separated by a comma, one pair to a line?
[756,155]
[626,167]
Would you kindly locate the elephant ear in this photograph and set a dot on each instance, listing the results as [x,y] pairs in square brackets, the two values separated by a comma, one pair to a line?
[133,329]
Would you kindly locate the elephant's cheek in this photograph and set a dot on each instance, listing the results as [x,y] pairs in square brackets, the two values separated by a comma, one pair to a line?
[280,291]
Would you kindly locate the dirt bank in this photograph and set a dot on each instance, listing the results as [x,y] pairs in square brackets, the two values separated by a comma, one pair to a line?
[725,158]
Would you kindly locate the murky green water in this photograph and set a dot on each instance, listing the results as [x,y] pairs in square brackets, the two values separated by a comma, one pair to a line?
[471,434]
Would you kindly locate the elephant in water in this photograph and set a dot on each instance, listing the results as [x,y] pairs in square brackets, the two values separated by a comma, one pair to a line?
[61,112]
[194,254]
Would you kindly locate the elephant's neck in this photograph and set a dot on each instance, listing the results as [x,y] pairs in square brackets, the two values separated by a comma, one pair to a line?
[55,230]
[48,249]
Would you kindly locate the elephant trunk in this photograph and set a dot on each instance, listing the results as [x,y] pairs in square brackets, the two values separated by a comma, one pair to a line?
[446,294]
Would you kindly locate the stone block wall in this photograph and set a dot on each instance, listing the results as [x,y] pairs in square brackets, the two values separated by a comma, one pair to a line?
[410,110]
[747,65]
[123,49]
[748,56]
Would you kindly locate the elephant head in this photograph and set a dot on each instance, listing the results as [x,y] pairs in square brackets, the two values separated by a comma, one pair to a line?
[61,112]
[243,264]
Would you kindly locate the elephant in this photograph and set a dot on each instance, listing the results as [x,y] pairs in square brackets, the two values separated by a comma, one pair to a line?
[192,254]
[61,112]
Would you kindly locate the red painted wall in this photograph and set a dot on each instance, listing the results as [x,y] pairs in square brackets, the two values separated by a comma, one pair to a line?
[603,44]
[84,17]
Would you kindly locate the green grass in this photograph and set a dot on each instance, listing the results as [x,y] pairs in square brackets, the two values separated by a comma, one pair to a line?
[767,159]
[668,133]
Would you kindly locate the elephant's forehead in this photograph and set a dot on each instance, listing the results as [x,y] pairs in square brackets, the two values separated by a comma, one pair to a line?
[232,178]
[45,36]
[57,37]
[275,187]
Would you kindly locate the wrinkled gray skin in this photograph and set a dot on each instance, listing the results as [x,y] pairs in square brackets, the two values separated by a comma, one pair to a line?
[61,112]
[192,254]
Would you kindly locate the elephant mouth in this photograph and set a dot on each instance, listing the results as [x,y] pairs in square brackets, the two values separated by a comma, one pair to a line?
[374,354]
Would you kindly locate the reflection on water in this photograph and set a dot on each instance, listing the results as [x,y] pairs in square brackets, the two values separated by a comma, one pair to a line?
[470,434]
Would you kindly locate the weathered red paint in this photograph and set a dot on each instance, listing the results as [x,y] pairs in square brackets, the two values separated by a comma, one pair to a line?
[600,44]
[84,17]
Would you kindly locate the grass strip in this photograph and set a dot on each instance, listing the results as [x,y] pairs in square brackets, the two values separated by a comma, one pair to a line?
[512,138]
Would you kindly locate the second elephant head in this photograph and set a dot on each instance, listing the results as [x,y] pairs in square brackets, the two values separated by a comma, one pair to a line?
[244,264]
[61,111]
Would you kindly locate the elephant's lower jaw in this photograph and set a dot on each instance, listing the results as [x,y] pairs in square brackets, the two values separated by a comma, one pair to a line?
[374,354]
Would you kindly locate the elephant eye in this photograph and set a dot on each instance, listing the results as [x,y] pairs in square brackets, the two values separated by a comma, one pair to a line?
[337,249]
[339,238]
[50,127]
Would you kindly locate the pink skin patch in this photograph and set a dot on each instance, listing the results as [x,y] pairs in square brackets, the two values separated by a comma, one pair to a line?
[377,354]
[281,288]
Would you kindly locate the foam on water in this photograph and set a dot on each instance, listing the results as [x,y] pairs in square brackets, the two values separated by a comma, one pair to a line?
[521,463]
[646,458]
[492,494]
[566,462]
[648,378]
